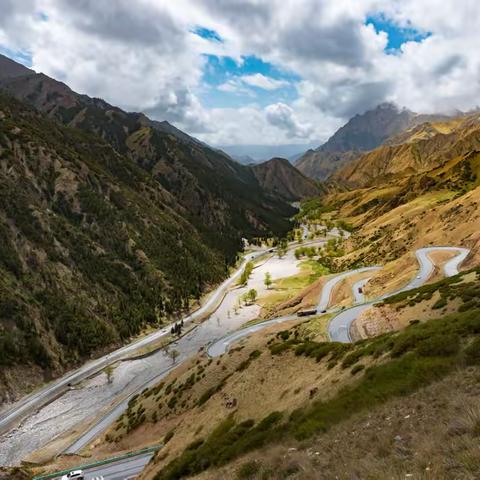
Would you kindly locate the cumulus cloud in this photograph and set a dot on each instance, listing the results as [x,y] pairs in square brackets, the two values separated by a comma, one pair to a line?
[261,81]
[283,117]
[146,56]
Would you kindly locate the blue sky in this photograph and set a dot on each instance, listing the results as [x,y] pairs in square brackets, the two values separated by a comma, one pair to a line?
[254,71]
[397,35]
[220,70]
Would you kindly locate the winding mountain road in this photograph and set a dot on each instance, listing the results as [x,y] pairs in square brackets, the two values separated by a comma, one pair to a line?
[338,330]
[339,326]
[327,290]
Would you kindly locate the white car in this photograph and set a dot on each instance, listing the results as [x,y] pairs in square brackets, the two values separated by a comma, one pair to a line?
[74,475]
[419,277]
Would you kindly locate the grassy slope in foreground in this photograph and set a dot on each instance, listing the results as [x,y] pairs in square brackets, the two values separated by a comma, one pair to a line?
[410,360]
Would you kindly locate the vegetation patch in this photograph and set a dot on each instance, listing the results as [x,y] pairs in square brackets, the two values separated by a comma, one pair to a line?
[423,353]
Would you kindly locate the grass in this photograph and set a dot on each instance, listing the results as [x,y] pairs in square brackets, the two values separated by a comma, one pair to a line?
[315,327]
[288,287]
[310,270]
[468,291]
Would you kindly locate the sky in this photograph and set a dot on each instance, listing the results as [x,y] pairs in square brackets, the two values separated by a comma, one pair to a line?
[243,72]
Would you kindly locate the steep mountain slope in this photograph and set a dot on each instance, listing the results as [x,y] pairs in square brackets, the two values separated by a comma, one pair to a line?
[370,129]
[281,178]
[428,147]
[361,133]
[107,227]
[286,393]
[11,69]
[92,248]
[218,194]
[322,165]
[286,388]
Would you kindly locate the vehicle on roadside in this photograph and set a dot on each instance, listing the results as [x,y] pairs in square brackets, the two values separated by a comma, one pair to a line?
[74,475]
[306,313]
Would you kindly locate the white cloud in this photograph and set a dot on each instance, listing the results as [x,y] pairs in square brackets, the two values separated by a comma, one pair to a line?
[143,56]
[283,117]
[261,81]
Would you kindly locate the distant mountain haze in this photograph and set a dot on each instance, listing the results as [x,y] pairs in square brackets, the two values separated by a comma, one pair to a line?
[258,153]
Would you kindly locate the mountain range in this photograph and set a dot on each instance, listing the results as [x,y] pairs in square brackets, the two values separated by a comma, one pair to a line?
[110,222]
[363,132]
[247,154]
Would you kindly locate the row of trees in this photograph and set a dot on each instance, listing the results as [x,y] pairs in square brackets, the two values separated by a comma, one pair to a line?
[310,252]
[247,271]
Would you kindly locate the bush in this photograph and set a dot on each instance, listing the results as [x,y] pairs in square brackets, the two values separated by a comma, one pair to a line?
[472,352]
[248,470]
[404,343]
[169,435]
[440,303]
[356,369]
[439,346]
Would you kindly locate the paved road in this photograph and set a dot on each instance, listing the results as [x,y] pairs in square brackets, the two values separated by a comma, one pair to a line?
[187,346]
[119,470]
[332,283]
[222,345]
[36,400]
[339,327]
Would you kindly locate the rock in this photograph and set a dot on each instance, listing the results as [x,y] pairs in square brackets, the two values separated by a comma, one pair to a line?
[456,428]
[398,438]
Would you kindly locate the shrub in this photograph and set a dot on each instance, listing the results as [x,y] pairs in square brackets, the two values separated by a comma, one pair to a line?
[439,346]
[440,303]
[472,352]
[169,435]
[248,469]
[284,334]
[357,368]
[404,343]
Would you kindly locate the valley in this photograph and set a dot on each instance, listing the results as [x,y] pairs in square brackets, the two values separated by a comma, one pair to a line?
[170,310]
[90,387]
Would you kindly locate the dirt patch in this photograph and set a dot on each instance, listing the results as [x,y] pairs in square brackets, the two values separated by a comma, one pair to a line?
[388,318]
[392,276]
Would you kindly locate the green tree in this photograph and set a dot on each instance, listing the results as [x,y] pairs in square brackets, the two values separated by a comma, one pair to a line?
[109,373]
[268,280]
[252,295]
[247,271]
[174,355]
